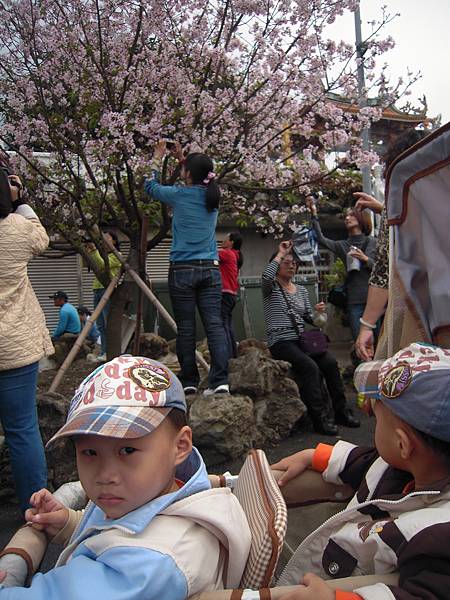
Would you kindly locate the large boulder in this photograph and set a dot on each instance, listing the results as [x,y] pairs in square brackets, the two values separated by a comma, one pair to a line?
[224,426]
[153,346]
[250,343]
[262,409]
[64,345]
[268,382]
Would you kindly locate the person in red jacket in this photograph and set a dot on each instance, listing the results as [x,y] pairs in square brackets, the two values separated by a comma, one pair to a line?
[231,260]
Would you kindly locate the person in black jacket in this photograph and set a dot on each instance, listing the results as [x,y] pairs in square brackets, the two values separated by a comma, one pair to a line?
[357,253]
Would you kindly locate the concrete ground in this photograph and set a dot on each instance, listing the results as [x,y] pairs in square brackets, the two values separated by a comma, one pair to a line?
[300,521]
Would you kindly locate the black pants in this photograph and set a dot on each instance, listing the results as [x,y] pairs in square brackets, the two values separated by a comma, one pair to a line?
[228,304]
[308,376]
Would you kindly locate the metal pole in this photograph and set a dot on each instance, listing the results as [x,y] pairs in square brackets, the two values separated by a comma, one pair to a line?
[362,100]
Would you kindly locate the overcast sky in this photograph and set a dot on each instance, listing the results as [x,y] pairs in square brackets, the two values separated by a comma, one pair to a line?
[421,33]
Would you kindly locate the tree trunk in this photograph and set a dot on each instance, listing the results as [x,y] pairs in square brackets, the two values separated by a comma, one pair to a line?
[125,294]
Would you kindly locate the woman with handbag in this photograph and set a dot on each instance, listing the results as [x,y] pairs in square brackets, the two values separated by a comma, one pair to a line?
[286,310]
[357,253]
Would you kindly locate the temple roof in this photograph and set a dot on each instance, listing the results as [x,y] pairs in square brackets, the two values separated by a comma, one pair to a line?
[412,117]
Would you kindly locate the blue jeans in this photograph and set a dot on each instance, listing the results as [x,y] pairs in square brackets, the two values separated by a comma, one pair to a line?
[228,304]
[18,415]
[102,317]
[192,286]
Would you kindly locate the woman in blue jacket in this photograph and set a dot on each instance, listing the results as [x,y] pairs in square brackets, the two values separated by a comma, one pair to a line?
[194,275]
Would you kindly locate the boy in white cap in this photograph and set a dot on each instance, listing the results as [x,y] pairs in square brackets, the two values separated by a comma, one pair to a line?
[153,528]
[399,518]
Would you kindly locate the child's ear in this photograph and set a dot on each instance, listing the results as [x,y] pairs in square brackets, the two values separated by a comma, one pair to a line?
[183,443]
[405,443]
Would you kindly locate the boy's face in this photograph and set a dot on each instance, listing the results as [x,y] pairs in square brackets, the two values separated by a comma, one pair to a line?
[386,438]
[119,475]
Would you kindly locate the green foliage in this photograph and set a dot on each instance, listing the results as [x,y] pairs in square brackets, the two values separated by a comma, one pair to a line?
[336,274]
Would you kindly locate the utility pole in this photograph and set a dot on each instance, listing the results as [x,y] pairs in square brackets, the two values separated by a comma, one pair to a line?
[362,100]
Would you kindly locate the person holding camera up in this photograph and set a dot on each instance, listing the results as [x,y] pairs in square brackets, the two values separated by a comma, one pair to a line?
[98,288]
[286,310]
[24,338]
[357,252]
[194,276]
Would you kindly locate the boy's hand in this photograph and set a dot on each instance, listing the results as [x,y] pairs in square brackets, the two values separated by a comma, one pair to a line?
[313,588]
[47,514]
[293,465]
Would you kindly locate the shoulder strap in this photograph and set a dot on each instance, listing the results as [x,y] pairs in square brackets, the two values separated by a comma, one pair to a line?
[290,311]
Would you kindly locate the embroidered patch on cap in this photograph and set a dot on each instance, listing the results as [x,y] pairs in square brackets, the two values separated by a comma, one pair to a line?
[396,380]
[150,377]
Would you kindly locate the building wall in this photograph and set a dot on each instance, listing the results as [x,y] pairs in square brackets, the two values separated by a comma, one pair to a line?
[49,274]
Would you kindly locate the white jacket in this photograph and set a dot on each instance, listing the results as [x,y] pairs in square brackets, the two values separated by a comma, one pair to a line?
[24,338]
[193,540]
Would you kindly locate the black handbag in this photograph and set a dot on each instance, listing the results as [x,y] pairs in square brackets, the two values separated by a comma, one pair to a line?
[338,296]
[312,342]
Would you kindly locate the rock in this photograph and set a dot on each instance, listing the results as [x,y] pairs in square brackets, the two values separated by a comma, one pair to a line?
[153,346]
[224,426]
[245,345]
[268,382]
[202,347]
[52,410]
[253,373]
[63,346]
[171,361]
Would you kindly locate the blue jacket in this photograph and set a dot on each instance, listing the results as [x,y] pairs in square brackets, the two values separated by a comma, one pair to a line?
[69,321]
[115,559]
[193,226]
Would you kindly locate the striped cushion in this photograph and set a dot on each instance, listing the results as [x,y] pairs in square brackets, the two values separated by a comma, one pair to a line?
[266,512]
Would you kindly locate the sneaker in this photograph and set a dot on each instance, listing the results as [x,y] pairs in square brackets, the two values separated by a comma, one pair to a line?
[220,389]
[101,357]
[190,390]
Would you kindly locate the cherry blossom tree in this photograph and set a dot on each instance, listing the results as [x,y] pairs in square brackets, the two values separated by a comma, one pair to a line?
[95,83]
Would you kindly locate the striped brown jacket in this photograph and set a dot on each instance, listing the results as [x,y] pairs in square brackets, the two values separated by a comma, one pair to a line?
[386,527]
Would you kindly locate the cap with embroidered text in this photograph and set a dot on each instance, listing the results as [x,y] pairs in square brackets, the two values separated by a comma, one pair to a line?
[414,384]
[127,397]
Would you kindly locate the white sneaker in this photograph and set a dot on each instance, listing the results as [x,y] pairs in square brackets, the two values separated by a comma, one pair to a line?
[101,357]
[220,389]
[190,390]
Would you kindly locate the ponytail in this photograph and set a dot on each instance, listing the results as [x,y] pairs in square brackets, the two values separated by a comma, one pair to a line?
[201,168]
